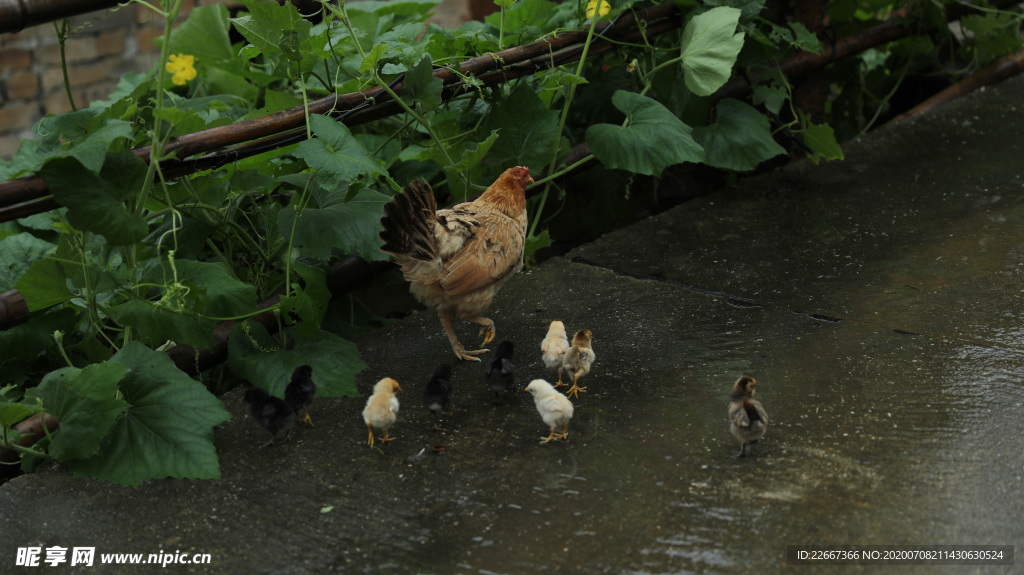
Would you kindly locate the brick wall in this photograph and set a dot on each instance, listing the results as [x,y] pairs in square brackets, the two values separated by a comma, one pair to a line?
[105,45]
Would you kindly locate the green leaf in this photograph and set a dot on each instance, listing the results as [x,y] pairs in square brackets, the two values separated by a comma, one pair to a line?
[204,35]
[710,45]
[18,253]
[85,403]
[805,39]
[307,307]
[334,154]
[772,97]
[213,290]
[528,131]
[422,89]
[44,285]
[739,140]
[653,140]
[167,430]
[81,135]
[369,63]
[96,203]
[822,142]
[534,243]
[12,412]
[335,361]
[350,225]
[157,324]
[29,342]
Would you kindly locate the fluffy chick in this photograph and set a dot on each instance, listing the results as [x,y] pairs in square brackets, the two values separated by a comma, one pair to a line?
[437,394]
[300,391]
[501,373]
[578,359]
[273,413]
[554,346]
[381,409]
[747,419]
[554,408]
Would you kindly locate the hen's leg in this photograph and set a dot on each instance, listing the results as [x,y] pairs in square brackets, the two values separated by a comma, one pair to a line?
[487,331]
[447,317]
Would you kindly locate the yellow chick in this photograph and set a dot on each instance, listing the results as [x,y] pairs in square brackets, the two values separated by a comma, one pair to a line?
[554,408]
[578,358]
[747,419]
[554,346]
[381,409]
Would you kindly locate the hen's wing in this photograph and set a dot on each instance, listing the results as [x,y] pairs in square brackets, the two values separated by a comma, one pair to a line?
[410,222]
[484,247]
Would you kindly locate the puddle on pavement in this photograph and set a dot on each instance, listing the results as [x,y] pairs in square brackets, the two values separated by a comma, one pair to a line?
[865,426]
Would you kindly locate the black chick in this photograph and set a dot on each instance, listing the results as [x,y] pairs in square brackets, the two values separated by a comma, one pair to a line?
[501,373]
[273,413]
[299,393]
[437,394]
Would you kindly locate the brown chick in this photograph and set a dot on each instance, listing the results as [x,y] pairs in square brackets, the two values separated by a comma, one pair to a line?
[457,259]
[554,345]
[578,359]
[381,409]
[747,419]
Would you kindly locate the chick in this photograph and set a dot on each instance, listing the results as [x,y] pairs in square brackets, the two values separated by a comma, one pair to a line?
[554,345]
[501,373]
[747,418]
[299,393]
[382,409]
[578,358]
[437,394]
[554,408]
[273,413]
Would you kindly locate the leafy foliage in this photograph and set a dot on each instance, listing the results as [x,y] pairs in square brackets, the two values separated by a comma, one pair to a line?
[138,260]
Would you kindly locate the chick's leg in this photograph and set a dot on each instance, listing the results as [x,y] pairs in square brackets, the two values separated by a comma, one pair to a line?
[386,437]
[544,440]
[560,384]
[307,420]
[487,331]
[575,389]
[565,432]
[447,317]
[370,440]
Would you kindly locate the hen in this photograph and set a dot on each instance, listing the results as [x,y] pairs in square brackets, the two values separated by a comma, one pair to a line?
[747,419]
[578,359]
[553,347]
[457,259]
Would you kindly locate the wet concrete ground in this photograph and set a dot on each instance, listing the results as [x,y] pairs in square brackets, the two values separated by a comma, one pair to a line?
[877,301]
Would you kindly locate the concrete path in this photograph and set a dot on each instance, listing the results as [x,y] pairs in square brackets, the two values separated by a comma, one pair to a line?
[877,301]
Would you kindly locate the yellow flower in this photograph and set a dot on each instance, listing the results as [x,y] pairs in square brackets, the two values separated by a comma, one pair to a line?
[182,66]
[592,7]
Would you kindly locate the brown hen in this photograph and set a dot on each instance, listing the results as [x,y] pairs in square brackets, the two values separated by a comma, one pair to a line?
[457,259]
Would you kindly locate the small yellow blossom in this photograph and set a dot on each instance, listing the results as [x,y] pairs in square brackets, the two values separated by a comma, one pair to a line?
[183,68]
[592,7]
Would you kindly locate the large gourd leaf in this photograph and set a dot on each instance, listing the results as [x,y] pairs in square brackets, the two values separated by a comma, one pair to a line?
[85,403]
[254,355]
[653,140]
[96,202]
[335,155]
[710,45]
[167,431]
[350,225]
[740,139]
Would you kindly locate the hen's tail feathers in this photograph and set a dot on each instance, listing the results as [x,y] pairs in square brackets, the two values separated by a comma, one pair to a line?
[408,222]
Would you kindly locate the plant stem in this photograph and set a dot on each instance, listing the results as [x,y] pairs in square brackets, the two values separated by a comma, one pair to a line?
[561,127]
[62,36]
